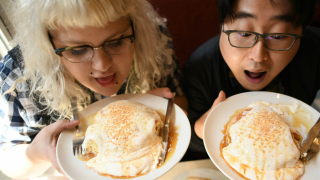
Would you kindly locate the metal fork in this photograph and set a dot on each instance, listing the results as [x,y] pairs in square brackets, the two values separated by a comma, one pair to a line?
[313,150]
[78,138]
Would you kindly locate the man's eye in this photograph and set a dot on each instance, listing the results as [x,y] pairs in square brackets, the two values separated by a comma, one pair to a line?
[244,34]
[79,51]
[276,37]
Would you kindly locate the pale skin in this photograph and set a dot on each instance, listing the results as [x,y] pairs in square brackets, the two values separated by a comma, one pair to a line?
[37,157]
[261,17]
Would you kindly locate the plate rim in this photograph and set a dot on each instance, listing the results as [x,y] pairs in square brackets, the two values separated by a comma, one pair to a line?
[259,93]
[177,156]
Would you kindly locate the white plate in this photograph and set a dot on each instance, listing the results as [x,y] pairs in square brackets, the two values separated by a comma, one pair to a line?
[76,169]
[220,115]
[209,173]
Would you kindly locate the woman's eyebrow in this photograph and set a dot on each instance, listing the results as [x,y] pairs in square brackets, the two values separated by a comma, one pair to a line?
[80,42]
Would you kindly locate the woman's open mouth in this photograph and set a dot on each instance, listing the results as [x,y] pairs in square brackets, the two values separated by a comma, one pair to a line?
[255,77]
[107,81]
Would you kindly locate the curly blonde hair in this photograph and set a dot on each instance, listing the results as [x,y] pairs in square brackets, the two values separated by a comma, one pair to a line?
[32,19]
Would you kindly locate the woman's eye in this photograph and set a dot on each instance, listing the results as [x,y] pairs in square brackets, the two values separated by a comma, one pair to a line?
[79,51]
[115,44]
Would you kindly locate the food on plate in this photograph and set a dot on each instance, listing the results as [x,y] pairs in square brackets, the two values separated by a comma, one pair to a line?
[123,140]
[261,143]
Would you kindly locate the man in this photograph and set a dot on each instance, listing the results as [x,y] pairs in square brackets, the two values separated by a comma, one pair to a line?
[264,45]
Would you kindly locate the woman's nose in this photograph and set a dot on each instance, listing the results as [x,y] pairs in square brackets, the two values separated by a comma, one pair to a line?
[259,52]
[101,61]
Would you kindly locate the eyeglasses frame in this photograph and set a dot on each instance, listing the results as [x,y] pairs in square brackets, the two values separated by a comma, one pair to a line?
[258,35]
[59,51]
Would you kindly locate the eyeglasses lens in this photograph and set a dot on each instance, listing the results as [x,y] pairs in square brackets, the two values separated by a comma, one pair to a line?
[247,39]
[242,39]
[82,54]
[279,42]
[117,47]
[79,54]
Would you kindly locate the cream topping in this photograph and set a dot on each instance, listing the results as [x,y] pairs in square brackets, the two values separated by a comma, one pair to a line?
[126,133]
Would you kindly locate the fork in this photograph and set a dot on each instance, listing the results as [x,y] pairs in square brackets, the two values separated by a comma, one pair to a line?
[78,138]
[313,150]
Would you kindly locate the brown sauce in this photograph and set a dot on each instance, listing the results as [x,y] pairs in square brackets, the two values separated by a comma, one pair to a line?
[172,143]
[224,142]
[86,157]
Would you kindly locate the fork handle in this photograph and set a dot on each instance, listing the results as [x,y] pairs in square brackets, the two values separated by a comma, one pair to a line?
[75,110]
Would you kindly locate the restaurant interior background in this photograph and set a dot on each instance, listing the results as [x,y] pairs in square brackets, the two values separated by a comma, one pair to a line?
[190,22]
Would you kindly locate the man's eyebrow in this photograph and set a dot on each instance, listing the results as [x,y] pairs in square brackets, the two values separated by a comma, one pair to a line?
[242,14]
[283,17]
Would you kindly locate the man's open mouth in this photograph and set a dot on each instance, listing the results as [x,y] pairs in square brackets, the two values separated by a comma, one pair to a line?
[255,75]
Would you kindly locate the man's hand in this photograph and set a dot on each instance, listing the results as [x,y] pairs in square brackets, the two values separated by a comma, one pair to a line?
[43,147]
[198,126]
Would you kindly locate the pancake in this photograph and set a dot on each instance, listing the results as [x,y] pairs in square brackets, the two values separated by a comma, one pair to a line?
[262,145]
[124,139]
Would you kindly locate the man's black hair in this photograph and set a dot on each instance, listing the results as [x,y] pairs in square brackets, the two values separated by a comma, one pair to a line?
[304,10]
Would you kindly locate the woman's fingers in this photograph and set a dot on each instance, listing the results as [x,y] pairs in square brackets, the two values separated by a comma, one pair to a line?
[61,125]
[55,130]
[162,92]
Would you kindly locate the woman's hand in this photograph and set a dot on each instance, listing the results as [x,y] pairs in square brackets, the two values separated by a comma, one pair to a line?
[198,126]
[165,92]
[43,147]
[162,92]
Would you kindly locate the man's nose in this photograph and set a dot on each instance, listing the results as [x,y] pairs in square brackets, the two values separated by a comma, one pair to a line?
[101,61]
[259,51]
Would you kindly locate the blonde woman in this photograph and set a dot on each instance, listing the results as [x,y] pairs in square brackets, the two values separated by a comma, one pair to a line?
[75,48]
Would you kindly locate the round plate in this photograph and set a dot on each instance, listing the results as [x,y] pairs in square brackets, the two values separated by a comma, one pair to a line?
[208,173]
[76,169]
[220,115]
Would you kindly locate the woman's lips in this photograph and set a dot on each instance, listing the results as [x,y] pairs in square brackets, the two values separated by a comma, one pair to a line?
[255,77]
[107,81]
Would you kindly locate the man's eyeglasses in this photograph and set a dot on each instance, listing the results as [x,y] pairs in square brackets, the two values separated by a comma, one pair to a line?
[83,53]
[273,41]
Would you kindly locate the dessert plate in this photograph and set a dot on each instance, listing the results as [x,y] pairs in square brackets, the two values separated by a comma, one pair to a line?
[74,168]
[219,116]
